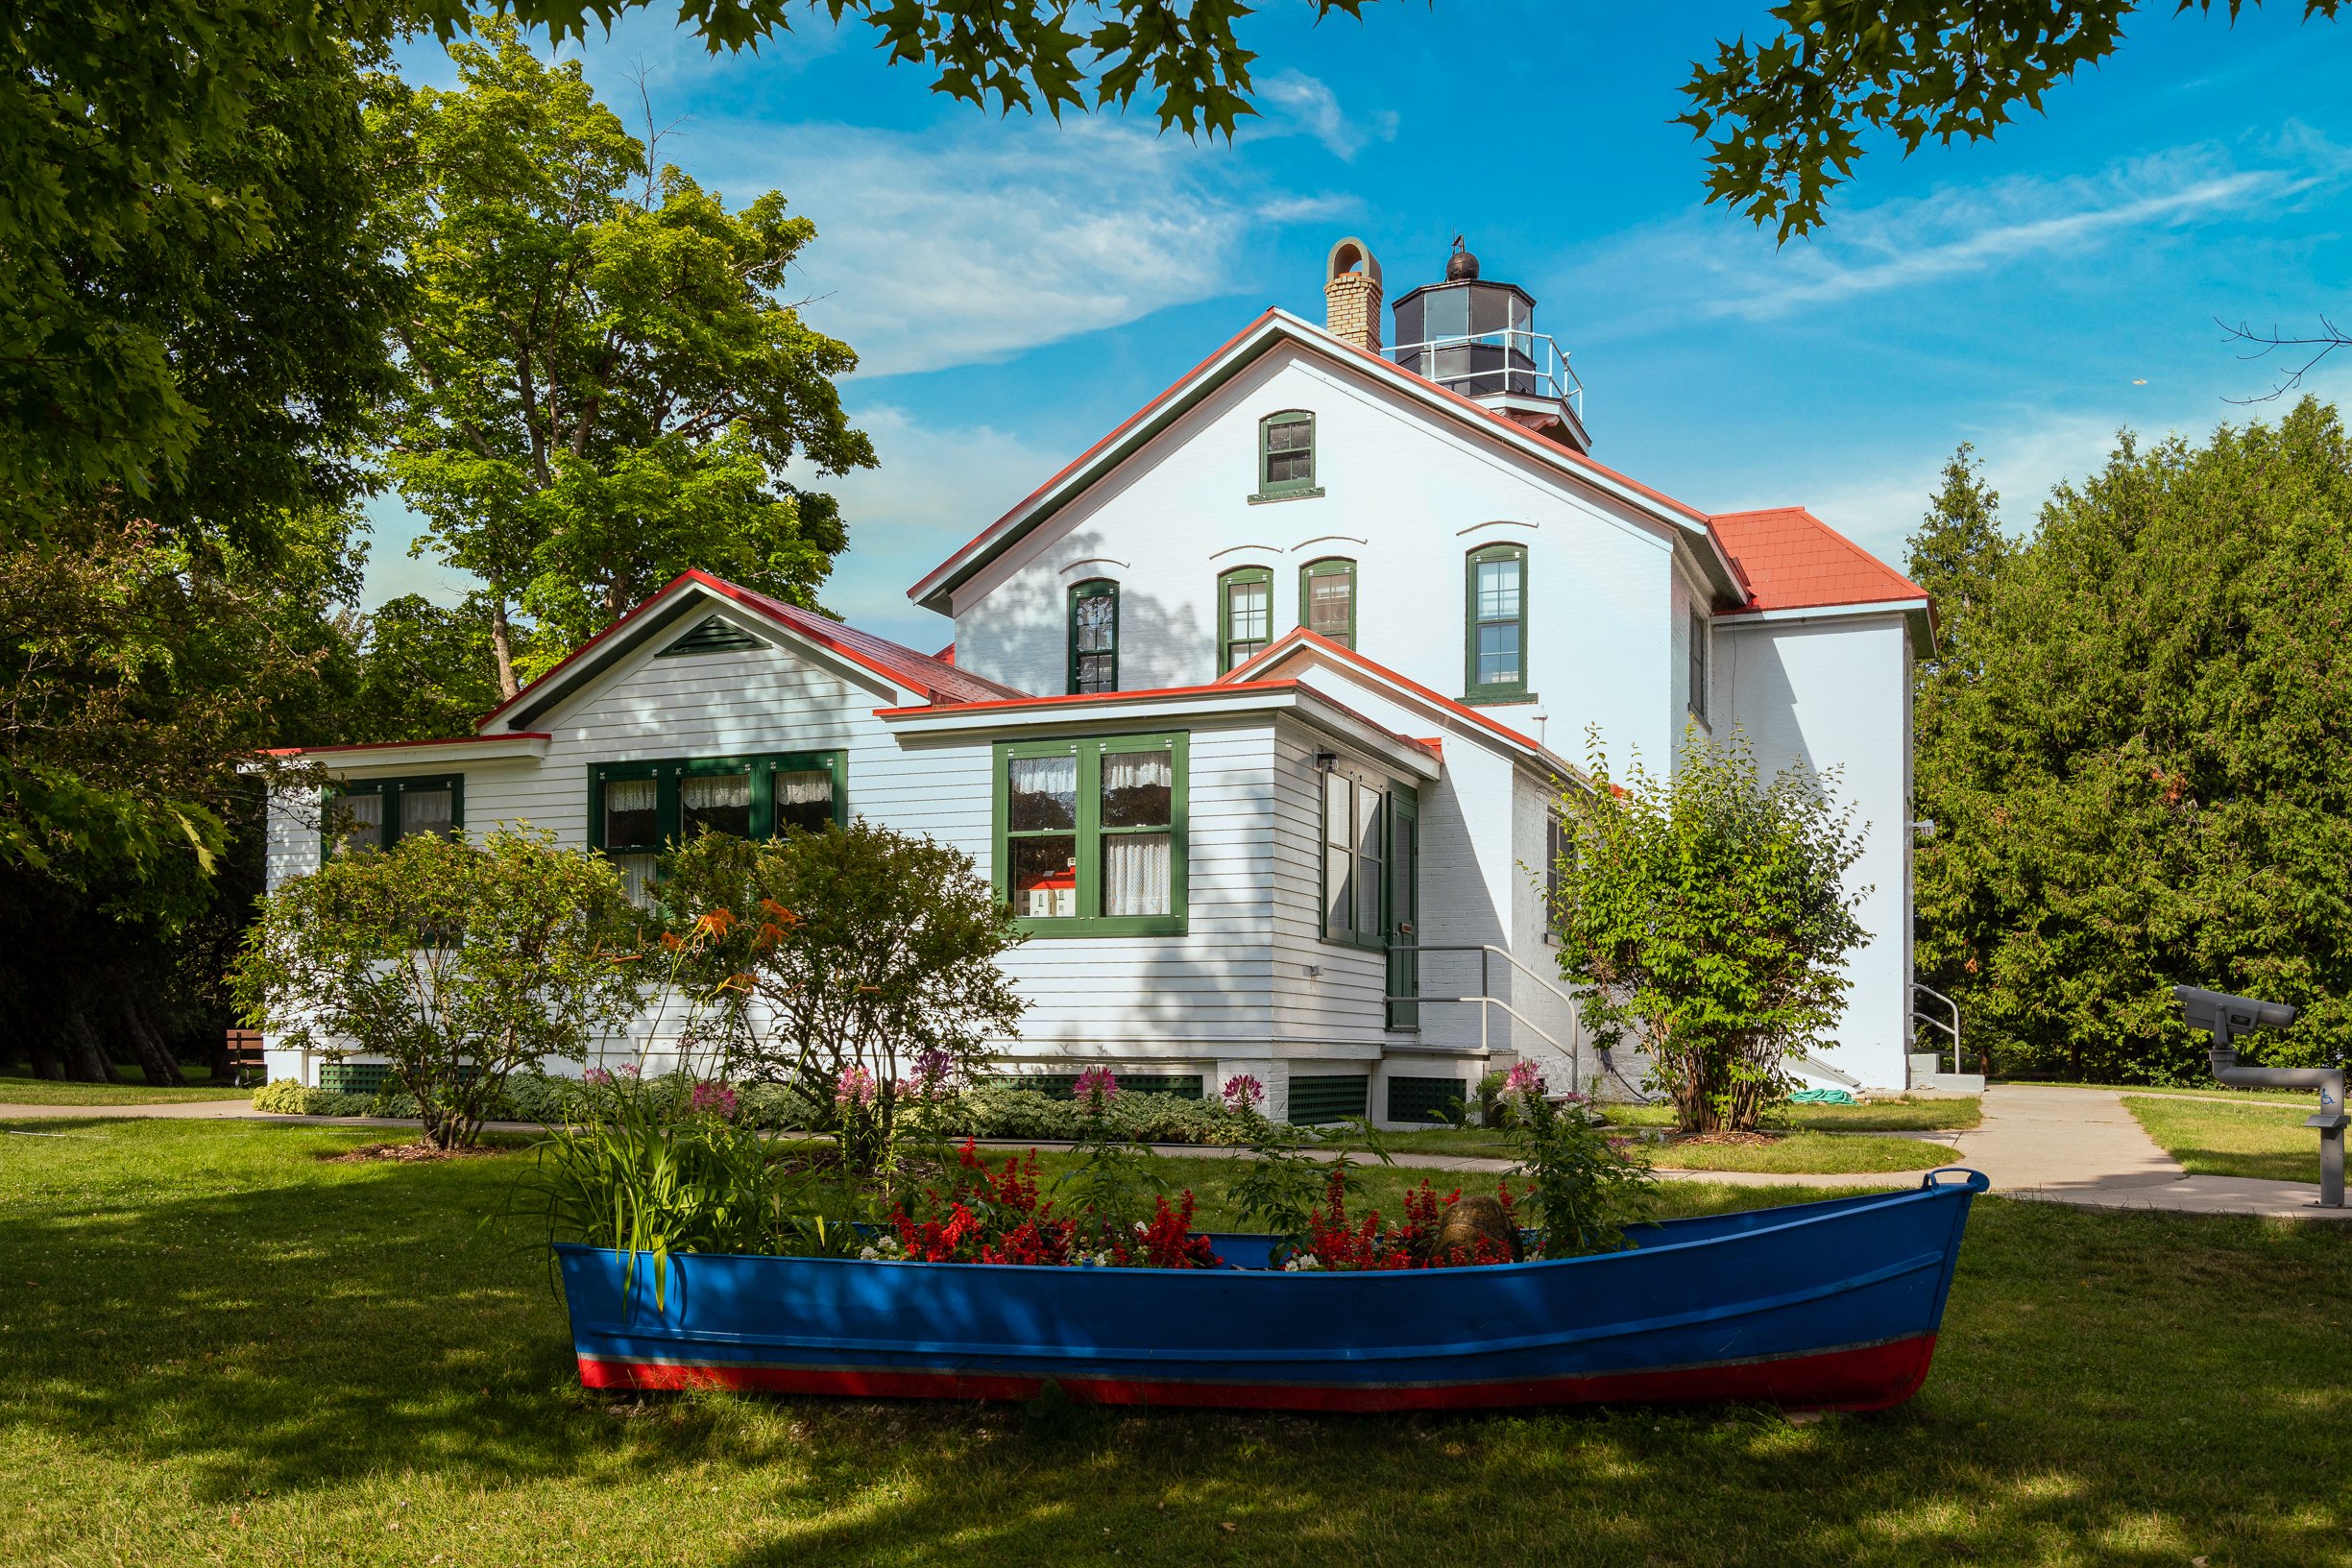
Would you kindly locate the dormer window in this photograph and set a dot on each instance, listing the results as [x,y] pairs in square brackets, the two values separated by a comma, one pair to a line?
[1327,599]
[1094,637]
[1286,456]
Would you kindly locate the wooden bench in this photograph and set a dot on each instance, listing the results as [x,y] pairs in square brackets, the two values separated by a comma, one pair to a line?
[239,1055]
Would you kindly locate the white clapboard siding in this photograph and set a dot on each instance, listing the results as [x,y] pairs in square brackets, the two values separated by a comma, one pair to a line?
[1407,494]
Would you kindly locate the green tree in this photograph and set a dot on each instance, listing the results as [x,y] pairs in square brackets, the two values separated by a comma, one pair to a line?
[422,670]
[1784,119]
[1707,916]
[603,379]
[2148,780]
[458,963]
[854,950]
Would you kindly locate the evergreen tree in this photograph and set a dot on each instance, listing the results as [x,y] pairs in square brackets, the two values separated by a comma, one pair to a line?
[2147,777]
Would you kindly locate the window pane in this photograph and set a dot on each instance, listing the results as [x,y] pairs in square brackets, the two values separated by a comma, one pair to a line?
[1446,313]
[716,803]
[356,822]
[1338,823]
[1045,877]
[1097,622]
[1338,890]
[1368,900]
[1249,616]
[1291,436]
[1096,672]
[631,813]
[636,877]
[1498,589]
[1331,597]
[804,801]
[1499,654]
[1367,822]
[1042,793]
[1136,874]
[1137,789]
[427,811]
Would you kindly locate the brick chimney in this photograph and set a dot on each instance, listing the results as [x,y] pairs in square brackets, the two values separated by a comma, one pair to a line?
[1351,295]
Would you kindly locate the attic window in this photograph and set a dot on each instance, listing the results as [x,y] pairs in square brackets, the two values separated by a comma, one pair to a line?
[1286,456]
[715,634]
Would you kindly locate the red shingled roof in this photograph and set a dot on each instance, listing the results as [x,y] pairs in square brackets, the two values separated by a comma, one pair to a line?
[1793,560]
[937,678]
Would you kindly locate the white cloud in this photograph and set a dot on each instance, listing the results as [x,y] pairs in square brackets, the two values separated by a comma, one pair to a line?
[948,248]
[934,489]
[1714,268]
[2027,451]
[1294,104]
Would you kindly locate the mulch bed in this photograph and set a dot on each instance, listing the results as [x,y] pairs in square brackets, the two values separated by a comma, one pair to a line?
[408,1153]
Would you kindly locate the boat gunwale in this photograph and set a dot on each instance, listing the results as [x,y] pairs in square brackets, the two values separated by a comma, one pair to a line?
[1976,1184]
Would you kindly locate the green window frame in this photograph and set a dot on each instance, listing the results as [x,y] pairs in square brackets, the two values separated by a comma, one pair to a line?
[1327,599]
[1355,853]
[660,815]
[1094,636]
[1698,665]
[1244,629]
[1286,456]
[1494,625]
[1557,848]
[401,806]
[1084,865]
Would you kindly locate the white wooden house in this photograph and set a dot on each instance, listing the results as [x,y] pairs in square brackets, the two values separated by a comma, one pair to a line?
[1256,713]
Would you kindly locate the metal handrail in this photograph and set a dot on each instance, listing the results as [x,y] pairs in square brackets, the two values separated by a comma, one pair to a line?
[1576,1065]
[1545,369]
[1484,950]
[1951,1028]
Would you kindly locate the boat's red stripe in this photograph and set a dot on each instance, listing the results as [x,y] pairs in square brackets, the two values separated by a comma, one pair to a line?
[1867,1377]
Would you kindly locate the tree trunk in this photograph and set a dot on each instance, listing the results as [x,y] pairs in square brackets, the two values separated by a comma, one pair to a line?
[85,1054]
[43,1053]
[503,645]
[148,1046]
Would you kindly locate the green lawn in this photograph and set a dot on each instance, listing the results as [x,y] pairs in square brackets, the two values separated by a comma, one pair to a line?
[1809,1153]
[1957,1114]
[216,1348]
[18,1088]
[2268,1141]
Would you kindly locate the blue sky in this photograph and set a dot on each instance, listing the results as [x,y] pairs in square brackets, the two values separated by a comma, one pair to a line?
[1015,288]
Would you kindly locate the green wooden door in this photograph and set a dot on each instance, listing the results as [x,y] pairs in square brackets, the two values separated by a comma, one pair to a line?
[1403,907]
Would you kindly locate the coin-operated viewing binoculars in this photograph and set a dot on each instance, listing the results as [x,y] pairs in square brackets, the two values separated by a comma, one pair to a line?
[2222,1016]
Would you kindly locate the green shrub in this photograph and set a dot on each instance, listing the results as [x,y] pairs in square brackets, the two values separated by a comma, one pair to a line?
[775,1107]
[281,1097]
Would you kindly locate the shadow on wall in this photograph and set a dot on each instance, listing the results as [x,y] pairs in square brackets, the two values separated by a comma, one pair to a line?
[1023,637]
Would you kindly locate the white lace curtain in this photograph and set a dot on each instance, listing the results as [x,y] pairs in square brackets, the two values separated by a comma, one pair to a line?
[716,792]
[803,789]
[1135,866]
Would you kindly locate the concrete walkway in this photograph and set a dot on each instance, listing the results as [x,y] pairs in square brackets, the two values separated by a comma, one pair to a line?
[2083,1147]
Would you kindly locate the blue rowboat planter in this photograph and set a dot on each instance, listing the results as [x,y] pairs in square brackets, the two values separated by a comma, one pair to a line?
[1828,1305]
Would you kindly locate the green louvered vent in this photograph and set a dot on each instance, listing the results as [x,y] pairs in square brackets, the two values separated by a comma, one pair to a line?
[354,1077]
[1427,1100]
[1062,1085]
[716,634]
[1328,1099]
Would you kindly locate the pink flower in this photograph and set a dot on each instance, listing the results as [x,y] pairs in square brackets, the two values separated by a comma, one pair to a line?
[1243,1093]
[597,1078]
[1096,1088]
[716,1098]
[1523,1079]
[629,1070]
[854,1087]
